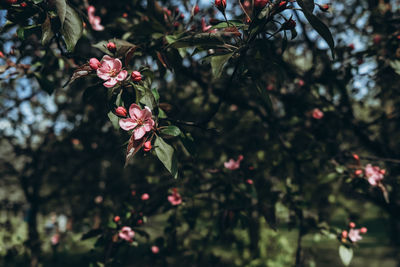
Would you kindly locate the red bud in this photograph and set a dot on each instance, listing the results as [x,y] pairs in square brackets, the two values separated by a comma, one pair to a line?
[94,63]
[121,111]
[196,10]
[345,234]
[23,4]
[136,76]
[356,157]
[147,146]
[358,172]
[352,225]
[324,8]
[363,230]
[117,219]
[111,47]
[221,5]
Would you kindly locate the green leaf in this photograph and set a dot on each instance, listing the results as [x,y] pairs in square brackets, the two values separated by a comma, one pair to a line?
[21,33]
[223,24]
[147,99]
[346,254]
[102,46]
[155,93]
[61,7]
[166,154]
[306,5]
[171,130]
[47,32]
[114,120]
[395,64]
[200,39]
[72,28]
[322,30]
[218,62]
[264,96]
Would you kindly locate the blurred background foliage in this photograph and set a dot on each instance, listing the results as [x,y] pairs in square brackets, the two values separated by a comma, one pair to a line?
[62,162]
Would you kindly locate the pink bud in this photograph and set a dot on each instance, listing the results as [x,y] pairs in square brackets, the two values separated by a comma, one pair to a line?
[121,111]
[1,54]
[125,15]
[136,76]
[94,63]
[382,171]
[345,234]
[324,8]
[363,230]
[356,157]
[249,181]
[139,222]
[145,196]
[23,4]
[155,249]
[196,10]
[358,172]
[117,219]
[317,114]
[351,46]
[352,225]
[111,47]
[147,146]
[377,39]
[221,5]
[11,2]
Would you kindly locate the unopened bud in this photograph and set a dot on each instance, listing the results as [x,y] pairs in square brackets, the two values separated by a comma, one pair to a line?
[352,225]
[196,10]
[111,47]
[363,230]
[147,146]
[345,234]
[121,111]
[94,63]
[136,76]
[221,5]
[117,219]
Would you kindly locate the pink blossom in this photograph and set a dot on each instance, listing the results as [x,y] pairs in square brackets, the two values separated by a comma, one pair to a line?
[204,26]
[175,199]
[155,249]
[249,181]
[95,21]
[374,174]
[232,164]
[354,235]
[145,196]
[94,63]
[111,71]
[126,233]
[317,114]
[55,239]
[140,121]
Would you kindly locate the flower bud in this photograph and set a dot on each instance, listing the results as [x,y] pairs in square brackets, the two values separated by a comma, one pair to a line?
[11,2]
[351,47]
[125,15]
[94,63]
[249,181]
[117,219]
[121,111]
[139,222]
[147,146]
[289,25]
[317,114]
[352,225]
[259,4]
[23,4]
[377,39]
[324,8]
[145,196]
[196,10]
[136,76]
[356,157]
[111,47]
[155,249]
[345,234]
[2,55]
[221,5]
[358,172]
[363,230]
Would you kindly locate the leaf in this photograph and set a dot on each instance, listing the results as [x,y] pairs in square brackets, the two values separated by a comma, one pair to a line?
[114,120]
[231,23]
[81,71]
[133,147]
[307,5]
[395,64]
[218,62]
[44,83]
[171,130]
[47,32]
[264,96]
[148,99]
[322,30]
[200,39]
[156,95]
[166,154]
[346,254]
[61,7]
[72,28]
[102,46]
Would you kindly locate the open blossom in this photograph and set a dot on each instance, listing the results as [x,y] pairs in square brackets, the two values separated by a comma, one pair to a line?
[232,164]
[95,21]
[111,71]
[175,199]
[374,174]
[126,233]
[140,121]
[354,235]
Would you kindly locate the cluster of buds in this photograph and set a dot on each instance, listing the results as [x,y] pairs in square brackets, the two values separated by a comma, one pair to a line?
[352,234]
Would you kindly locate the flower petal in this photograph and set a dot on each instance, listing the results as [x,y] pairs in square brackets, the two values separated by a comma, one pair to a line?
[127,124]
[135,111]
[122,75]
[139,133]
[110,83]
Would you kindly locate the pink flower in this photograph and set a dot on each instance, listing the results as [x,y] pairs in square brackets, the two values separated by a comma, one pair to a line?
[126,233]
[155,249]
[94,20]
[354,235]
[111,71]
[249,181]
[232,164]
[374,174]
[55,239]
[317,114]
[140,121]
[175,199]
[204,26]
[145,196]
